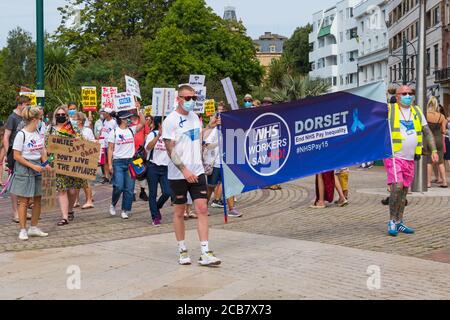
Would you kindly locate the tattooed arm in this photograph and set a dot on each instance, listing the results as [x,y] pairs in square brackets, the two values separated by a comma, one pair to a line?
[176,159]
[429,139]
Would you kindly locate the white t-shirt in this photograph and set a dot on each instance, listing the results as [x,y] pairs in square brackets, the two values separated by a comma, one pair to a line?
[186,132]
[160,156]
[213,155]
[108,126]
[31,146]
[123,140]
[98,127]
[408,132]
[43,129]
[88,134]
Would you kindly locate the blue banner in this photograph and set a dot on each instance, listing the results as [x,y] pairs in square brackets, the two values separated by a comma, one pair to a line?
[280,143]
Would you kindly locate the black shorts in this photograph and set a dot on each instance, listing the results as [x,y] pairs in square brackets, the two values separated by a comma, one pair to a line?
[180,188]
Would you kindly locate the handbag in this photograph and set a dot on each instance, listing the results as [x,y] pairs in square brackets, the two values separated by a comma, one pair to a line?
[138,165]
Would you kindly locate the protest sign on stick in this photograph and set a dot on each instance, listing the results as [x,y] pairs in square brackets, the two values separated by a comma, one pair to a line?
[89,99]
[48,202]
[197,80]
[200,92]
[124,101]
[32,96]
[108,97]
[163,101]
[230,93]
[210,107]
[133,86]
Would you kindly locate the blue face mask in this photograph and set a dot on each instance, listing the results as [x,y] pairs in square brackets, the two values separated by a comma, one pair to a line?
[406,100]
[74,123]
[72,113]
[248,104]
[129,122]
[188,106]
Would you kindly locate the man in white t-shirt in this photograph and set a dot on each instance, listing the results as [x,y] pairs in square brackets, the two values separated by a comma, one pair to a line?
[109,124]
[182,135]
[409,131]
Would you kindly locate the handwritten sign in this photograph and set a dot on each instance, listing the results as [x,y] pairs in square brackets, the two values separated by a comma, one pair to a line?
[230,93]
[163,100]
[108,97]
[133,86]
[32,96]
[200,92]
[197,80]
[89,98]
[124,101]
[74,158]
[210,107]
[48,202]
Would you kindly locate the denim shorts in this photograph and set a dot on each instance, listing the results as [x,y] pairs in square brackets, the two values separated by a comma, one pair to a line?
[215,178]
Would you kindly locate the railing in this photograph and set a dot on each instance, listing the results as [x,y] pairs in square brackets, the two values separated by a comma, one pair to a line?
[442,75]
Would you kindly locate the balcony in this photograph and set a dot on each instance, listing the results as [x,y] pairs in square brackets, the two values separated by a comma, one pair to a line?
[442,76]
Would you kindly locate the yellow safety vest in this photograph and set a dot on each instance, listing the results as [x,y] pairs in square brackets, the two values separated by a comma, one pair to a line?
[397,138]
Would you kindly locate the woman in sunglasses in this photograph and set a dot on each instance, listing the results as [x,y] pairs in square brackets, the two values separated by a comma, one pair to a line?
[65,186]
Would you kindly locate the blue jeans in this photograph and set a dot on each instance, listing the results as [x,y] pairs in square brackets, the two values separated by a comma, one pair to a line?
[122,184]
[157,174]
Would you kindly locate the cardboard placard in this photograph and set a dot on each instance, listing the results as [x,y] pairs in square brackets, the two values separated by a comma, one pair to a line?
[124,101]
[163,101]
[89,99]
[197,80]
[108,97]
[74,158]
[49,193]
[230,93]
[133,86]
[210,107]
[32,96]
[200,92]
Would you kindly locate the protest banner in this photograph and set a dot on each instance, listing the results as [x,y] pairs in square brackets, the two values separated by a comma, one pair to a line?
[89,99]
[74,158]
[124,101]
[133,86]
[49,194]
[200,92]
[197,80]
[32,96]
[108,97]
[210,107]
[230,93]
[163,101]
[273,145]
[148,111]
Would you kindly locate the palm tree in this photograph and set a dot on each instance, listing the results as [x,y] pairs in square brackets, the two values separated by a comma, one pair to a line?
[298,87]
[59,66]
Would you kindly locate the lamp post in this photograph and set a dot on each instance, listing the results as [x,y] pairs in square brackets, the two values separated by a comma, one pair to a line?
[420,179]
[40,49]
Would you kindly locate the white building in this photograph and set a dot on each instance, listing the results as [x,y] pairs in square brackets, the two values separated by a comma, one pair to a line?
[334,46]
[370,17]
[404,24]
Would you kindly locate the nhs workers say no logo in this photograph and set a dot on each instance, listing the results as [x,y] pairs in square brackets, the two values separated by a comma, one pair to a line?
[267,144]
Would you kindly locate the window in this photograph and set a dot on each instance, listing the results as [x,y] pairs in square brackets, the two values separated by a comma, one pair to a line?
[341,56]
[400,71]
[390,74]
[428,62]
[341,36]
[273,48]
[436,57]
[349,13]
[362,26]
[395,72]
[413,68]
[334,81]
[436,15]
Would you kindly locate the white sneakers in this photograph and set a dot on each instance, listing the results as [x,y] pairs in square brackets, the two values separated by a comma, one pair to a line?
[32,232]
[207,259]
[124,215]
[112,210]
[184,259]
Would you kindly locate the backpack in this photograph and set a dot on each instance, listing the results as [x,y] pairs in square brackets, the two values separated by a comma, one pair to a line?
[138,165]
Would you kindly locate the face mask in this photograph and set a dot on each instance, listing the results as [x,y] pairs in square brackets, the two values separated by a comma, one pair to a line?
[74,123]
[47,120]
[248,104]
[188,106]
[406,100]
[72,113]
[129,122]
[102,117]
[60,119]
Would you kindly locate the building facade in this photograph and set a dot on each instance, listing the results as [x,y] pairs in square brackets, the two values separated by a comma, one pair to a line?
[442,76]
[373,55]
[230,14]
[403,23]
[269,47]
[334,46]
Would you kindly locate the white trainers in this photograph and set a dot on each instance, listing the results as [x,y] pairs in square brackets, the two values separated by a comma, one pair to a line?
[23,235]
[184,259]
[112,210]
[124,215]
[209,259]
[36,232]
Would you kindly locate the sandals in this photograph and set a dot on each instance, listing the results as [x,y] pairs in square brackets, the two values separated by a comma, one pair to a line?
[343,204]
[192,215]
[76,205]
[86,206]
[15,220]
[62,222]
[71,216]
[315,206]
[186,216]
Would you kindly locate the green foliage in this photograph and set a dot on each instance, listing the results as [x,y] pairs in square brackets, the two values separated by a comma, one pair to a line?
[299,87]
[297,48]
[194,40]
[59,66]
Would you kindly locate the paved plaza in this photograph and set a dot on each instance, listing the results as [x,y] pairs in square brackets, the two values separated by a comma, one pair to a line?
[280,249]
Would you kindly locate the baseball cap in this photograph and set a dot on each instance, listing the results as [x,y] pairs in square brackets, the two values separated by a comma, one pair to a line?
[108,110]
[248,97]
[124,114]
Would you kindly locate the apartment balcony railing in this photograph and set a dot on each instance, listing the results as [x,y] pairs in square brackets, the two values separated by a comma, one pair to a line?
[442,75]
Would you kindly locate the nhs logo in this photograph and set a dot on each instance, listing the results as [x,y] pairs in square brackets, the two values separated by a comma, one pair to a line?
[267,132]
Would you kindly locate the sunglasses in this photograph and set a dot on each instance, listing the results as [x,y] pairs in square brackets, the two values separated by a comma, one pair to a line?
[407,94]
[189,98]
[61,114]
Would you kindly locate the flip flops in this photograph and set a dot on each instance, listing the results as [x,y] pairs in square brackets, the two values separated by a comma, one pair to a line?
[315,206]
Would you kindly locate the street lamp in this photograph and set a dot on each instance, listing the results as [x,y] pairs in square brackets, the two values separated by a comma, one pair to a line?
[40,51]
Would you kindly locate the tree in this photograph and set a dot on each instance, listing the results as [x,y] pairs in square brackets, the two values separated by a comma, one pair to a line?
[106,21]
[194,40]
[297,47]
[299,87]
[59,66]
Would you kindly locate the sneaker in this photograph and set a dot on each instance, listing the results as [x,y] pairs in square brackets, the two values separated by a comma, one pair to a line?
[124,215]
[184,259]
[209,259]
[235,214]
[156,222]
[143,196]
[134,197]
[105,181]
[112,210]
[392,228]
[36,232]
[217,204]
[401,227]
[23,235]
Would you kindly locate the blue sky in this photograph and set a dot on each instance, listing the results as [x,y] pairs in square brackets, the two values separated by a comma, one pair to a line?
[280,16]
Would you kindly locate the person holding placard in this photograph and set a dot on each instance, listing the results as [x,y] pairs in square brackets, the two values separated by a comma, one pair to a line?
[30,161]
[109,124]
[121,152]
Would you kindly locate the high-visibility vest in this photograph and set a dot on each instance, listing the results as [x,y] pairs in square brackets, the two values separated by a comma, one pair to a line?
[397,138]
